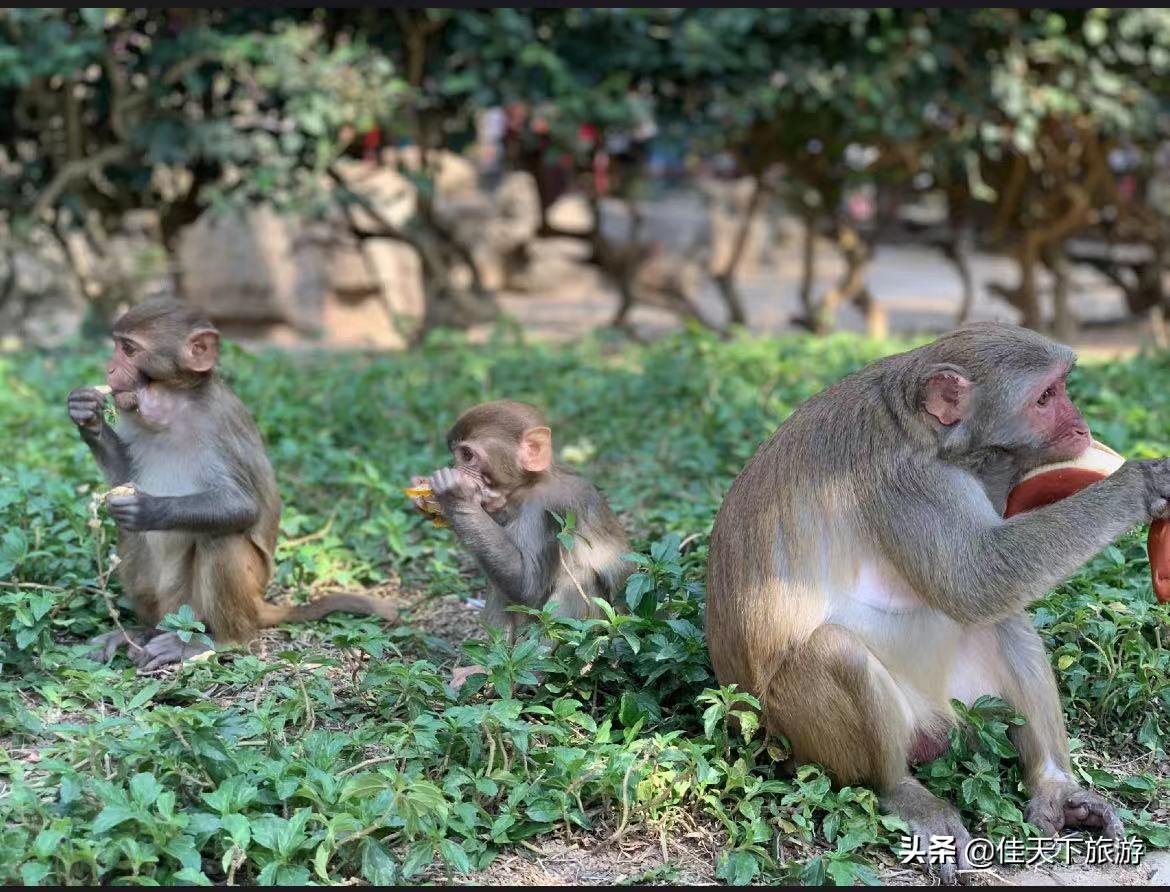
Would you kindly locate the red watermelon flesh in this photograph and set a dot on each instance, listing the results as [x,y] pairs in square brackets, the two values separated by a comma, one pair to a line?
[1051,483]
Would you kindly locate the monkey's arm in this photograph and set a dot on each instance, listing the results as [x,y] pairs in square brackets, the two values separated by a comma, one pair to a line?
[962,558]
[109,452]
[85,409]
[223,510]
[517,559]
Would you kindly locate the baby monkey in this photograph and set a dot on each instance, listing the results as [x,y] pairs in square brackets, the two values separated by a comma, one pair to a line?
[499,498]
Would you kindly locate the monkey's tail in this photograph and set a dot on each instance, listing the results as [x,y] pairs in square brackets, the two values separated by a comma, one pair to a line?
[361,605]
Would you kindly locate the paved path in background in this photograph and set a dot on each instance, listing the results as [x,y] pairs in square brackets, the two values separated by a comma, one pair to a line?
[917,287]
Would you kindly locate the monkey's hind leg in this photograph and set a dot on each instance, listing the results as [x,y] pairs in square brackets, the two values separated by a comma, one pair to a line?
[138,575]
[227,582]
[1058,801]
[839,707]
[104,646]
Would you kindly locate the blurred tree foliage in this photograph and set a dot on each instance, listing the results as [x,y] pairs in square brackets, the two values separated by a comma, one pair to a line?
[1037,125]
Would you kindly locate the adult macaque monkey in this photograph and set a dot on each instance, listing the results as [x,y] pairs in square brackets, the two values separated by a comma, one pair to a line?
[200,524]
[861,573]
[498,497]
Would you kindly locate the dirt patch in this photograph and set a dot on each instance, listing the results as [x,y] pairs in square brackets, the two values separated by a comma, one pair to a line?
[682,855]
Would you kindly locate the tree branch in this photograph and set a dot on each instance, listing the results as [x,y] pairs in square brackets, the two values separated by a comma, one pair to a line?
[72,170]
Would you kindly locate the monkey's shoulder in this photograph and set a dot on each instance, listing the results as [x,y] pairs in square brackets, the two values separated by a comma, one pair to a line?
[570,491]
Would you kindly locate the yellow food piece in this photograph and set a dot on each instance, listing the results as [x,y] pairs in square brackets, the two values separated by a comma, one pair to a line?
[429,506]
[104,389]
[126,489]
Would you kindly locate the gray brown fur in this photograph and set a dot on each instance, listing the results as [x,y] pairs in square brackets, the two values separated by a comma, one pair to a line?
[202,527]
[859,480]
[517,547]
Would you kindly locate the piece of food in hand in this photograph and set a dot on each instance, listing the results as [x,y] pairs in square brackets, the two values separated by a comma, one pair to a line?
[425,499]
[1050,483]
[126,489]
[109,410]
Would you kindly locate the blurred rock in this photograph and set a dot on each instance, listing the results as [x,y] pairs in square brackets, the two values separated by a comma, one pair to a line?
[131,266]
[253,266]
[386,190]
[454,174]
[41,301]
[1159,863]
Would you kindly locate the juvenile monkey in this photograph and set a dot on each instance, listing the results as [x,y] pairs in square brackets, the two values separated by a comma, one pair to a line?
[200,526]
[497,499]
[861,573]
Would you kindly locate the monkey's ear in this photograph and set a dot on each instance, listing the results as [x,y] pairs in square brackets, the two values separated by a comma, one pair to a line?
[201,350]
[948,395]
[536,450]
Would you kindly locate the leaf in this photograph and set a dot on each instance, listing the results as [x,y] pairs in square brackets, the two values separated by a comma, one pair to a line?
[712,716]
[831,825]
[266,830]
[843,873]
[33,873]
[738,868]
[378,868]
[542,814]
[239,829]
[418,859]
[69,790]
[1149,734]
[110,817]
[145,789]
[182,849]
[193,876]
[637,587]
[46,842]
[454,855]
[292,876]
[140,699]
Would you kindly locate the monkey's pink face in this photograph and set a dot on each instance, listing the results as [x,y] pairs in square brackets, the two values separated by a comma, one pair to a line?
[122,373]
[472,461]
[1056,422]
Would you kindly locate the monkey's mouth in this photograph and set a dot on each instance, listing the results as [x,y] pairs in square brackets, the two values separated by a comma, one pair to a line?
[126,400]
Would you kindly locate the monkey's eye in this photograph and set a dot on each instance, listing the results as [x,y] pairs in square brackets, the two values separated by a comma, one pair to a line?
[1046,396]
[128,348]
[466,454]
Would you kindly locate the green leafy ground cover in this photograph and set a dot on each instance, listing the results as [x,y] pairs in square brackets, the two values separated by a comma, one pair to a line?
[334,751]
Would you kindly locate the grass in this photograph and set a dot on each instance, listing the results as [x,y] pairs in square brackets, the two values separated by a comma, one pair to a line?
[334,751]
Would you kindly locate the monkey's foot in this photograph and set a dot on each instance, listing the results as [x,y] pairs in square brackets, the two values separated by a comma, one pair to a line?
[109,643]
[164,649]
[1060,804]
[460,674]
[929,816]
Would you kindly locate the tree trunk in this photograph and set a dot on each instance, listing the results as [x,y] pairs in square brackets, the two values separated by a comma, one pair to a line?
[619,263]
[1064,324]
[808,266]
[725,278]
[954,251]
[857,253]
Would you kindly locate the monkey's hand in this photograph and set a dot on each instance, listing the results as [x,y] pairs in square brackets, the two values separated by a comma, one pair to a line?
[1062,804]
[135,513]
[420,501]
[453,486]
[85,408]
[1156,475]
